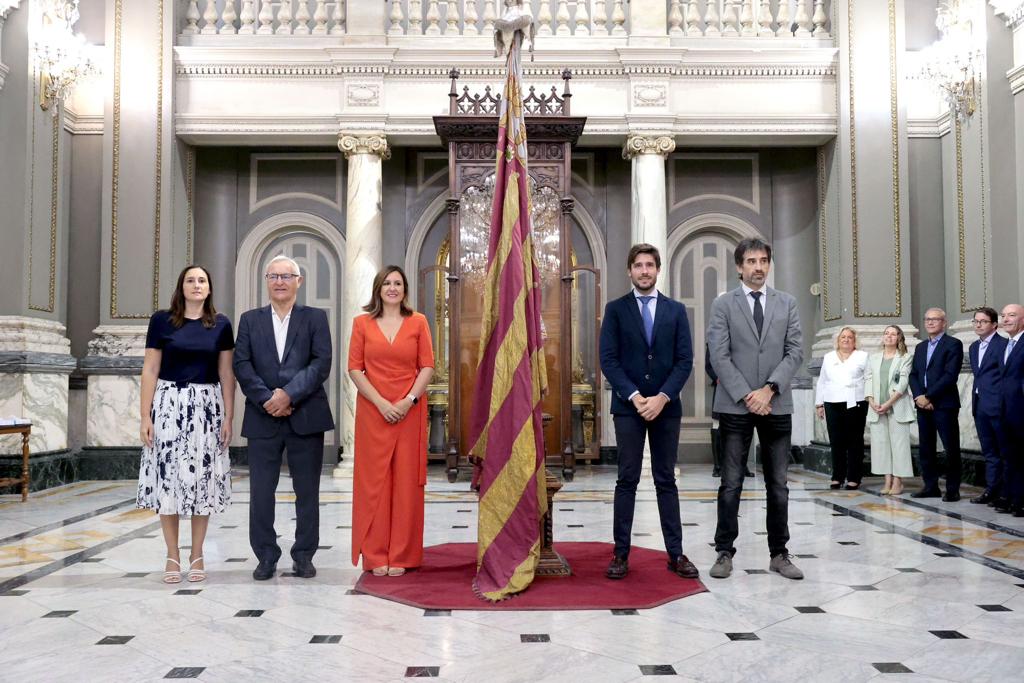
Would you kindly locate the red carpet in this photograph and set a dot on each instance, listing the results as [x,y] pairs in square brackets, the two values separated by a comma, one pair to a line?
[445,582]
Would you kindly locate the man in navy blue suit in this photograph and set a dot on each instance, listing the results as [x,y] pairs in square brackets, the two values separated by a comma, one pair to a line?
[282,359]
[933,378]
[1012,385]
[986,356]
[647,357]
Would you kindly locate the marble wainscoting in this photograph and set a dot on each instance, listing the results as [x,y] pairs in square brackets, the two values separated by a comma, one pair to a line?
[113,368]
[43,399]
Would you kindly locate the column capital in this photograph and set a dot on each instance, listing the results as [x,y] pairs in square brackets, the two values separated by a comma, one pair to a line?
[637,144]
[374,143]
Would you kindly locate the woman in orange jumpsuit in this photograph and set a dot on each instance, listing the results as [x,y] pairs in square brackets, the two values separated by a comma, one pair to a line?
[391,361]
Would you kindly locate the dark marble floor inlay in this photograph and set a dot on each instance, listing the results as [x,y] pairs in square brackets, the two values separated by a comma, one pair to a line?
[760,533]
[324,547]
[59,614]
[422,672]
[690,524]
[237,559]
[756,571]
[566,509]
[807,556]
[463,510]
[657,670]
[343,526]
[863,588]
[352,592]
[625,612]
[188,591]
[742,636]
[185,672]
[892,668]
[230,526]
[249,613]
[14,593]
[805,523]
[534,638]
[810,609]
[948,635]
[575,526]
[460,526]
[327,640]
[93,560]
[944,555]
[995,608]
[437,612]
[909,570]
[848,543]
[135,575]
[115,640]
[637,533]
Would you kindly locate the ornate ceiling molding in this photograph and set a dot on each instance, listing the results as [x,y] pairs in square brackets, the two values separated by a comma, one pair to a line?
[1012,10]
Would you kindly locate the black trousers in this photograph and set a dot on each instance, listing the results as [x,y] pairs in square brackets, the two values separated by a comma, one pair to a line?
[305,462]
[774,432]
[630,433]
[995,449]
[846,438]
[941,422]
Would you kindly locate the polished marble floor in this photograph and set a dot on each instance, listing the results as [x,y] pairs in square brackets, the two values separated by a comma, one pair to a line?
[894,589]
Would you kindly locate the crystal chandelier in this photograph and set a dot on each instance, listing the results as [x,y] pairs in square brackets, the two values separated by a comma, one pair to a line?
[953,63]
[62,56]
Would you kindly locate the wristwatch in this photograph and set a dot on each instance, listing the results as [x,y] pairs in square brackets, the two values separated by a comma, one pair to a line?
[413,399]
[774,387]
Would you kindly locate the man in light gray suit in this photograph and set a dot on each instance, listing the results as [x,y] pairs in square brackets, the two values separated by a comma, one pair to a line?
[753,339]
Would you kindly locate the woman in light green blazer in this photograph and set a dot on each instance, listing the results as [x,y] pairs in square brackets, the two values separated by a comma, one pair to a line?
[891,410]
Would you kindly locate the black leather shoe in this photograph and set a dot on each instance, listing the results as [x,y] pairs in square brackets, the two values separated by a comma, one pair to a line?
[951,497]
[748,473]
[716,472]
[926,493]
[984,499]
[304,569]
[1002,505]
[682,566]
[1018,510]
[264,571]
[618,568]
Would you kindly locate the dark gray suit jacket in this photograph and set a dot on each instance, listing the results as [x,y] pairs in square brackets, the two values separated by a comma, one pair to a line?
[742,361]
[302,373]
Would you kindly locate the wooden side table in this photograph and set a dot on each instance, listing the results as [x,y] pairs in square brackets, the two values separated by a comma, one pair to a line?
[25,430]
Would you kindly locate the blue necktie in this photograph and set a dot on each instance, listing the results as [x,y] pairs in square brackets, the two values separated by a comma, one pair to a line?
[1009,350]
[645,313]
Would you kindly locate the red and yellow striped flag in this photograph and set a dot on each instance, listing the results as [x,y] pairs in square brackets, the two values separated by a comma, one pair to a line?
[506,428]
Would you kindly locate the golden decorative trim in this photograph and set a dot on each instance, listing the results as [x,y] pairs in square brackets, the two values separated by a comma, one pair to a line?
[116,170]
[190,176]
[823,236]
[894,118]
[54,198]
[965,307]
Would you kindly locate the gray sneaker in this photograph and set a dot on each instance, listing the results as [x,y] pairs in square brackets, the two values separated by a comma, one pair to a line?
[722,567]
[783,565]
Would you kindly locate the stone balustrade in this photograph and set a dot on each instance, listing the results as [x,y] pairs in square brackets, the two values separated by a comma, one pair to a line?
[578,18]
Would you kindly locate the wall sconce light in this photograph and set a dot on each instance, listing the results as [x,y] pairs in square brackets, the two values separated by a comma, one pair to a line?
[61,55]
[953,62]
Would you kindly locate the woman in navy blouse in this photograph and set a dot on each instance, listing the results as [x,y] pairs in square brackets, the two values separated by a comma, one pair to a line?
[188,390]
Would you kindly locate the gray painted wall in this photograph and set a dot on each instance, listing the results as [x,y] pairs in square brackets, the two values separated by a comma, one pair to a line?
[927,244]
[920,23]
[84,262]
[14,102]
[1002,171]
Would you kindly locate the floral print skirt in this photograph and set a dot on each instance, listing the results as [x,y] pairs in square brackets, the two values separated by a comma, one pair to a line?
[187,471]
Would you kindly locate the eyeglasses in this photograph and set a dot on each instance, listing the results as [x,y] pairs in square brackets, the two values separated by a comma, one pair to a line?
[984,322]
[283,277]
[934,320]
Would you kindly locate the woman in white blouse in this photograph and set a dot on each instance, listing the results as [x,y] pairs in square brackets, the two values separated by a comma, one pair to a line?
[892,410]
[839,400]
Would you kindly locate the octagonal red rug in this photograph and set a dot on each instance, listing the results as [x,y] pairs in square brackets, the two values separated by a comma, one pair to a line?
[445,582]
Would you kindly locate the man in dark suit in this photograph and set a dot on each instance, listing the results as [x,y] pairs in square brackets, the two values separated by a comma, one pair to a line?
[647,356]
[986,356]
[282,359]
[1012,390]
[754,340]
[933,378]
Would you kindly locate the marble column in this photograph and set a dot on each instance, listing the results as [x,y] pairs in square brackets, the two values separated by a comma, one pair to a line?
[364,238]
[649,210]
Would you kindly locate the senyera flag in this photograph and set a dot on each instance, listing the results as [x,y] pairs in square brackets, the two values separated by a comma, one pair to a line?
[506,428]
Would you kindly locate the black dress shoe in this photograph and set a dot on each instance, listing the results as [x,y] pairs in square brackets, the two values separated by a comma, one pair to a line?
[852,486]
[1018,510]
[304,569]
[618,568]
[951,497]
[1002,505]
[927,493]
[984,499]
[264,571]
[716,472]
[682,566]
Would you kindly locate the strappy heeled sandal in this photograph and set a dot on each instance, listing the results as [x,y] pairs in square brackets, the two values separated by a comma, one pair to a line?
[173,577]
[196,575]
[380,571]
[396,571]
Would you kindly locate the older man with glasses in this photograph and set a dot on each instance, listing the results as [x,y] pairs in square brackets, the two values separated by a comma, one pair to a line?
[933,378]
